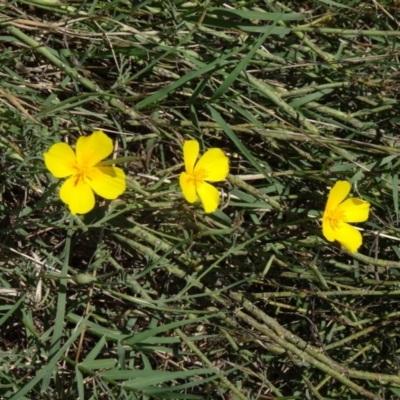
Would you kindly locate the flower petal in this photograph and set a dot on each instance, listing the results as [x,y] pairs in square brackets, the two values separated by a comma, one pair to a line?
[337,194]
[327,229]
[215,164]
[355,210]
[77,195]
[107,182]
[349,237]
[60,160]
[188,187]
[90,150]
[190,153]
[209,196]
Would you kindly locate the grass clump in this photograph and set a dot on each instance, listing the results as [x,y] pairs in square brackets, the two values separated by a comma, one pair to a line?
[149,297]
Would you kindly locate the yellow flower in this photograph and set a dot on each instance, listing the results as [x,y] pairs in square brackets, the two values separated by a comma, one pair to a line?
[213,166]
[338,213]
[86,175]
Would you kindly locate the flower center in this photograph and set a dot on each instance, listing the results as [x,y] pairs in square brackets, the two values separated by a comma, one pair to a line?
[198,177]
[82,173]
[335,217]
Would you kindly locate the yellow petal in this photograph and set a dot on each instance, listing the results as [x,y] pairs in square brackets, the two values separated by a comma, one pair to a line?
[77,195]
[209,196]
[107,182]
[190,153]
[215,165]
[337,194]
[327,229]
[349,237]
[355,210]
[188,187]
[60,160]
[90,150]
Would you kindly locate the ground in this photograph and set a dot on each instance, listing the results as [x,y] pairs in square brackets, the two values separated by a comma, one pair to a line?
[147,296]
